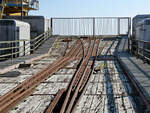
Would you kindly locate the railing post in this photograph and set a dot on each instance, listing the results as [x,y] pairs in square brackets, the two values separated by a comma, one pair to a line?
[47,35]
[129,35]
[144,51]
[143,44]
[137,50]
[118,26]
[129,26]
[129,43]
[51,26]
[11,44]
[24,45]
[93,27]
[32,45]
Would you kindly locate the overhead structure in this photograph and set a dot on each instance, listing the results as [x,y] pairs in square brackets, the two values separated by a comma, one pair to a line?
[17,7]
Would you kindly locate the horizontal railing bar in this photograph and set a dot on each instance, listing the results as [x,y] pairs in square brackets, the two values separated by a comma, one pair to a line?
[37,37]
[11,54]
[143,41]
[22,40]
[26,45]
[39,40]
[14,41]
[91,18]
[144,49]
[37,45]
[2,49]
[144,56]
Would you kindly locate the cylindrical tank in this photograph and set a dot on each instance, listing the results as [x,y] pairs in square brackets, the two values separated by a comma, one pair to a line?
[39,24]
[12,30]
[135,21]
[143,34]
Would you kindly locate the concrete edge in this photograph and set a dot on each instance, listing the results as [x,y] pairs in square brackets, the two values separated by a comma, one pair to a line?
[146,94]
[36,58]
[6,70]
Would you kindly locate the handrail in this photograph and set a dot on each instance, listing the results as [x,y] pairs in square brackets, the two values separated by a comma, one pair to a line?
[28,46]
[14,41]
[142,51]
[140,41]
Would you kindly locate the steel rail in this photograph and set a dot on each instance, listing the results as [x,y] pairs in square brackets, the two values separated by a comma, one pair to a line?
[34,76]
[80,58]
[83,65]
[82,88]
[89,70]
[86,75]
[81,71]
[55,101]
[78,77]
[23,90]
[70,88]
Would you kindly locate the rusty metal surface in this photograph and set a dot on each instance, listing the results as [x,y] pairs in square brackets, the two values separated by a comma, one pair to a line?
[88,65]
[80,78]
[56,99]
[77,84]
[74,81]
[24,89]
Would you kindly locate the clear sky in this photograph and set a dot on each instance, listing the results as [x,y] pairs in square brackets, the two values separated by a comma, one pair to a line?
[82,8]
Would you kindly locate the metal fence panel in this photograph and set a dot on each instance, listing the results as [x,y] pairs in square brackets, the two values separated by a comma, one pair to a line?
[125,26]
[91,26]
[106,26]
[72,26]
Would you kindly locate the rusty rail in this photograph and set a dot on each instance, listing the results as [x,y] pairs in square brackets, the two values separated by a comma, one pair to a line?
[84,79]
[75,81]
[10,99]
[79,80]
[80,58]
[55,101]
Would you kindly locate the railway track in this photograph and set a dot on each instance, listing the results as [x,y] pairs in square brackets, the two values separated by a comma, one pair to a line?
[92,81]
[24,89]
[102,92]
[79,81]
[109,90]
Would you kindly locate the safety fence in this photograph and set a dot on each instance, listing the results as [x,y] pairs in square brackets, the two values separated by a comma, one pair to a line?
[85,26]
[13,49]
[140,48]
[91,26]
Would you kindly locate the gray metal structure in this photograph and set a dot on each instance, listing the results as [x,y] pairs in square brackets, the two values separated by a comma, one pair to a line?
[137,42]
[39,24]
[142,37]
[12,30]
[135,21]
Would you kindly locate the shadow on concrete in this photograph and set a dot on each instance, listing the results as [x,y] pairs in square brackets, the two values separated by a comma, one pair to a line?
[132,94]
[11,74]
[111,106]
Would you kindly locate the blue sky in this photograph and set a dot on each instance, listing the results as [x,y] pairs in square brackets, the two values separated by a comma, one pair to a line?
[82,8]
